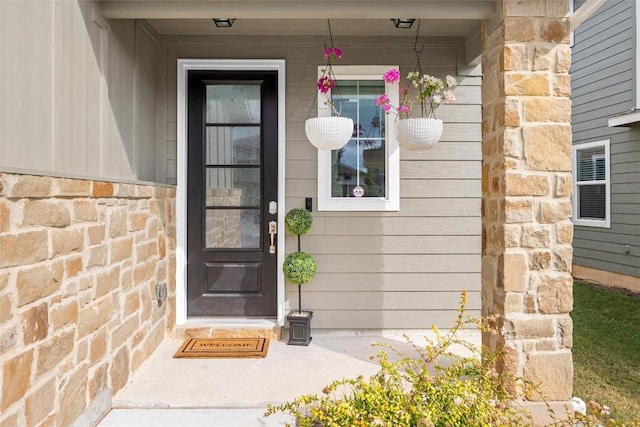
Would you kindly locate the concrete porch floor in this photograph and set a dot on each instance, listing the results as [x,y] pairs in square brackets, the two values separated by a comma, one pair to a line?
[235,392]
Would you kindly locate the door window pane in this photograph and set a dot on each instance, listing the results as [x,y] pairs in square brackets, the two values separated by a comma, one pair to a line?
[232,228]
[233,187]
[233,145]
[233,103]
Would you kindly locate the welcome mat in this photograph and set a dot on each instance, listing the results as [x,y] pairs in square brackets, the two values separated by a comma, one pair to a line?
[223,348]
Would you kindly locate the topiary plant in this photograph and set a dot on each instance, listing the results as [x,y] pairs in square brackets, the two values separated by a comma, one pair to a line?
[298,221]
[299,268]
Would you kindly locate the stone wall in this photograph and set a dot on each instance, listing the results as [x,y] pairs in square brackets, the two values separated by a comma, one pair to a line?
[527,232]
[79,263]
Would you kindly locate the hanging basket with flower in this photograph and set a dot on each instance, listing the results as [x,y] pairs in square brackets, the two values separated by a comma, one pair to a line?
[328,131]
[422,132]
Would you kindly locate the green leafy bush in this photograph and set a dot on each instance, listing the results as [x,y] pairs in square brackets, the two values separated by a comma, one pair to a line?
[431,388]
[299,268]
[298,221]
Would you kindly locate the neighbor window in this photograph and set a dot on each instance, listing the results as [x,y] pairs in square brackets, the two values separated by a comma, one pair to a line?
[364,174]
[591,193]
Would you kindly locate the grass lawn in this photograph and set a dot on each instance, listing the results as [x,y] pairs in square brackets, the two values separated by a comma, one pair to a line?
[606,349]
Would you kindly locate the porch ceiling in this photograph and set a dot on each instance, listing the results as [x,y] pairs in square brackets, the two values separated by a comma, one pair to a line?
[449,18]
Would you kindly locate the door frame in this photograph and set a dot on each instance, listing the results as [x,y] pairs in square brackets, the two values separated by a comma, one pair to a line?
[184,65]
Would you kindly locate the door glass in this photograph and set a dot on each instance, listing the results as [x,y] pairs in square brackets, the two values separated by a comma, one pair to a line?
[233,145]
[233,187]
[232,228]
[233,171]
[230,103]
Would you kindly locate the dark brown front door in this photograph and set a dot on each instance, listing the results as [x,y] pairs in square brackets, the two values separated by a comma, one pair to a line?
[232,178]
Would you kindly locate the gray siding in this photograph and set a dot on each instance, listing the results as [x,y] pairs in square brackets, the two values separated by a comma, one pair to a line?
[77,94]
[604,85]
[376,270]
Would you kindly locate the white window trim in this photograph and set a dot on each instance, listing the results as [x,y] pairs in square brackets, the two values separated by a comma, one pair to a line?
[392,201]
[605,223]
[183,67]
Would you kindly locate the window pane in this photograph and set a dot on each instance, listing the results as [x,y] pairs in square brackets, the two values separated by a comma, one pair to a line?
[232,145]
[232,228]
[373,181]
[592,199]
[359,164]
[355,99]
[233,187]
[233,103]
[591,164]
[359,169]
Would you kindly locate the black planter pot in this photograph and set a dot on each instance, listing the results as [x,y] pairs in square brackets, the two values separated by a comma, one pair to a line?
[299,327]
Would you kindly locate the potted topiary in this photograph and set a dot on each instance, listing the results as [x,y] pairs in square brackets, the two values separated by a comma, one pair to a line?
[299,268]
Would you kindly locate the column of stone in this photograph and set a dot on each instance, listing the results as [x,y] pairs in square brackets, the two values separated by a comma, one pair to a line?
[527,233]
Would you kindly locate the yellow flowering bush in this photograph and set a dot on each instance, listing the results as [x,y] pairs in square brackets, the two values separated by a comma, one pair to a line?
[432,388]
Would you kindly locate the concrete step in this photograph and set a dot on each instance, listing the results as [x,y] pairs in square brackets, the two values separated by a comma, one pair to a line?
[172,417]
[228,328]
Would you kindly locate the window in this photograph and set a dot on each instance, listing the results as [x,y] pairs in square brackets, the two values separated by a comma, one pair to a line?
[591,184]
[364,174]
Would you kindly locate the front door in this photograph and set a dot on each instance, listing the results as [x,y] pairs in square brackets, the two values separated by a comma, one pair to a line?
[232,191]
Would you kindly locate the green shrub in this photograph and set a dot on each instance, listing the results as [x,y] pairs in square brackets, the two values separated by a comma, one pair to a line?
[299,268]
[433,387]
[298,221]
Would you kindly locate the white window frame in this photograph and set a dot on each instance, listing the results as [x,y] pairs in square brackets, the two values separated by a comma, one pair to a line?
[391,202]
[604,223]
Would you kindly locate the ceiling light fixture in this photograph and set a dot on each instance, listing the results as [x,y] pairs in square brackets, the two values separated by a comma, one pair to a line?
[403,22]
[223,22]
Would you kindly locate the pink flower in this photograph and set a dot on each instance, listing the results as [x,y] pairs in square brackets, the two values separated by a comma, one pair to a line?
[403,109]
[325,84]
[386,108]
[449,96]
[392,76]
[382,100]
[333,53]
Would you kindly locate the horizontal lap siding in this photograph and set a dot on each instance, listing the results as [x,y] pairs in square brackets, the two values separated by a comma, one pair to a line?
[376,270]
[603,85]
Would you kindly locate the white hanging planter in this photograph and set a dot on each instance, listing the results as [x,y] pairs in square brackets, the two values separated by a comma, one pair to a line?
[329,133]
[418,133]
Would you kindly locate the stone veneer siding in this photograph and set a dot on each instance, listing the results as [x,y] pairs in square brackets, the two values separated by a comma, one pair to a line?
[527,232]
[79,261]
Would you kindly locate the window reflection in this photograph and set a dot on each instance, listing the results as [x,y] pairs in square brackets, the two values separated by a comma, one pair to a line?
[359,168]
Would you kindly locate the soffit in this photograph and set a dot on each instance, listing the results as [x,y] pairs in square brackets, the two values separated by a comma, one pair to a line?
[290,17]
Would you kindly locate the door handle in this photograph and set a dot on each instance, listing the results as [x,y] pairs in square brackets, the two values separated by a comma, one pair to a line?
[273,229]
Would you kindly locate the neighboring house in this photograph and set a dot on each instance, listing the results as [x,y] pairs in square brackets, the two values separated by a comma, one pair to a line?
[605,86]
[144,152]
